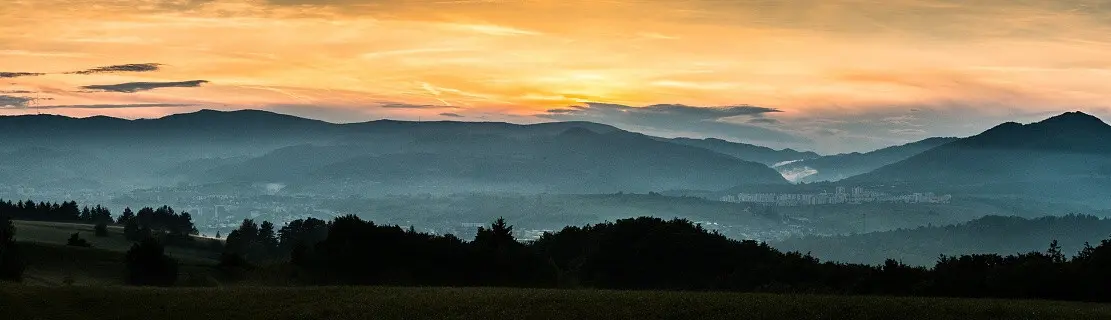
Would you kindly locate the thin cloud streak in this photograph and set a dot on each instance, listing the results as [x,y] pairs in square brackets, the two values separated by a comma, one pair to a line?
[138,67]
[113,106]
[9,75]
[132,87]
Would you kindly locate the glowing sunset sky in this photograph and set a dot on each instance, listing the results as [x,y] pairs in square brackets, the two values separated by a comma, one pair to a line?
[824,75]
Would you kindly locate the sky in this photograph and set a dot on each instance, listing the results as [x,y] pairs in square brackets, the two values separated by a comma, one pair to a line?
[825,75]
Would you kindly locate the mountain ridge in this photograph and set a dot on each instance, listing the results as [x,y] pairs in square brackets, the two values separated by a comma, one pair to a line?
[1066,157]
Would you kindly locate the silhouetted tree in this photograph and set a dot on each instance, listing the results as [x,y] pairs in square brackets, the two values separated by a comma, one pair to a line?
[267,238]
[132,231]
[101,229]
[252,242]
[126,217]
[298,238]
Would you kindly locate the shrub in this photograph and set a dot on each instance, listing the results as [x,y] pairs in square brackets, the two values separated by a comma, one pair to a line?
[148,265]
[76,241]
[101,229]
[11,262]
[11,259]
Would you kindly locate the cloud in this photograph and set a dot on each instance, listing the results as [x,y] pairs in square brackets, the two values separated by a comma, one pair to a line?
[411,106]
[560,111]
[115,106]
[309,2]
[681,120]
[15,101]
[908,131]
[669,112]
[8,75]
[16,91]
[453,115]
[108,106]
[131,87]
[182,4]
[763,121]
[136,67]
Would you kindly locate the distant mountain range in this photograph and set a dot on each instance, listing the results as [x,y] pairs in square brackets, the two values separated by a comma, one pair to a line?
[747,152]
[1066,157]
[377,157]
[841,166]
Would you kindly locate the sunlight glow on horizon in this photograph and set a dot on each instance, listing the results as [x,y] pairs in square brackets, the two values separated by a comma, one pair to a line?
[819,62]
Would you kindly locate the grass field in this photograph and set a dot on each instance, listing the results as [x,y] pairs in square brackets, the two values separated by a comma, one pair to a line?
[17,302]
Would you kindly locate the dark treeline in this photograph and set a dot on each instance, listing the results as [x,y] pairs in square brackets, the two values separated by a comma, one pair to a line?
[649,253]
[921,246]
[161,222]
[60,212]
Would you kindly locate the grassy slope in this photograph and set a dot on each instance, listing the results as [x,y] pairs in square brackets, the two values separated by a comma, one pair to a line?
[51,265]
[57,233]
[486,303]
[51,262]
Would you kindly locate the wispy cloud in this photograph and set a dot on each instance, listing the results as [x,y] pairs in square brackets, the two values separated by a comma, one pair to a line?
[8,75]
[15,101]
[136,67]
[132,87]
[763,121]
[412,106]
[563,110]
[493,30]
[679,120]
[113,106]
[453,115]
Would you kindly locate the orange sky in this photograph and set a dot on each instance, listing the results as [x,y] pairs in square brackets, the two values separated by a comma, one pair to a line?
[845,75]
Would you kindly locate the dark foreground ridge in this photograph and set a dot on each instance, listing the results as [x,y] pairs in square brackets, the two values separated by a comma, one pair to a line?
[633,254]
[501,303]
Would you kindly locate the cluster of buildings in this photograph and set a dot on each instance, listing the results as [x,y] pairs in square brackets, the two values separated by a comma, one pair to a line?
[856,195]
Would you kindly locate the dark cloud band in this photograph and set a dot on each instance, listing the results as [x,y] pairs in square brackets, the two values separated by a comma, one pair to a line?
[411,106]
[132,87]
[15,101]
[8,75]
[114,106]
[137,67]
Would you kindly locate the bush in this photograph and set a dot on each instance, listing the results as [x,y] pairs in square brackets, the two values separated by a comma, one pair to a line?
[11,262]
[132,231]
[76,241]
[11,259]
[148,265]
[101,229]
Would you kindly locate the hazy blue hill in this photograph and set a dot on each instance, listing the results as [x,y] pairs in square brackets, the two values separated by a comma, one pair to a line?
[747,152]
[841,166]
[36,166]
[251,146]
[576,160]
[472,128]
[1066,157]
